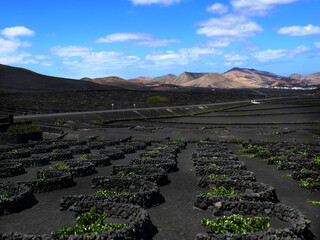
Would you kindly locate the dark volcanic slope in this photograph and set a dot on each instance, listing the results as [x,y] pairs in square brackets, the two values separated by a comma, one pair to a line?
[13,78]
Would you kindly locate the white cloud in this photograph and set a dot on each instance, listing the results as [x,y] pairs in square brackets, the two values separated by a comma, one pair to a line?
[158,43]
[144,39]
[11,46]
[13,32]
[300,30]
[269,55]
[229,26]
[82,61]
[218,43]
[218,8]
[235,57]
[8,46]
[257,7]
[181,57]
[70,51]
[148,2]
[123,37]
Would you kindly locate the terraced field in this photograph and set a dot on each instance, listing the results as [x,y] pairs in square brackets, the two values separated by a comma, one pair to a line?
[160,178]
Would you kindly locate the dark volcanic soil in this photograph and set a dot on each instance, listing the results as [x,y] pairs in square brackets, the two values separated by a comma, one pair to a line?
[176,218]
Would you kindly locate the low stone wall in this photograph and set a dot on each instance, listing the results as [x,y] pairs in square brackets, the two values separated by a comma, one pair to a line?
[60,155]
[10,169]
[299,224]
[167,165]
[304,175]
[147,172]
[15,138]
[113,154]
[79,150]
[229,172]
[16,154]
[250,191]
[97,160]
[33,161]
[163,156]
[78,168]
[220,163]
[37,149]
[134,191]
[19,198]
[50,180]
[138,223]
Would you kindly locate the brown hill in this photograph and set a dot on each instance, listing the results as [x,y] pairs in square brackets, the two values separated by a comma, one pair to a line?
[117,82]
[169,78]
[213,80]
[312,79]
[289,82]
[296,76]
[144,78]
[14,78]
[252,78]
[186,77]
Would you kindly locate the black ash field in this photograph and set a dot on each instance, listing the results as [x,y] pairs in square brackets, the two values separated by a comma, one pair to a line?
[265,151]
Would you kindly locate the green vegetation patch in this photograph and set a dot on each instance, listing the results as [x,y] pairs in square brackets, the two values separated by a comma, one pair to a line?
[306,183]
[23,128]
[314,202]
[60,166]
[221,191]
[124,174]
[236,224]
[90,223]
[4,194]
[213,176]
[158,99]
[84,157]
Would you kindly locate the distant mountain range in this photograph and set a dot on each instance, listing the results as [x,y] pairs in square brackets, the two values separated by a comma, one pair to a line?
[13,79]
[312,79]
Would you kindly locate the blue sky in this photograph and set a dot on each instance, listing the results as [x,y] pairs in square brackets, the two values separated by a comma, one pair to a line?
[131,38]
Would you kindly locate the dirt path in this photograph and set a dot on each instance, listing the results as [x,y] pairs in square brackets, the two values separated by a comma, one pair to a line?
[288,190]
[176,218]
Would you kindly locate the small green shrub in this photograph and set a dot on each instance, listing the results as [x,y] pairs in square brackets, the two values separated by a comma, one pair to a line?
[90,223]
[213,176]
[158,99]
[4,194]
[23,128]
[60,166]
[314,202]
[306,182]
[236,224]
[212,165]
[83,157]
[221,191]
[124,174]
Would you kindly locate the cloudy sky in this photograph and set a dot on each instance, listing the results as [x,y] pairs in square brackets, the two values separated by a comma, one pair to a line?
[131,38]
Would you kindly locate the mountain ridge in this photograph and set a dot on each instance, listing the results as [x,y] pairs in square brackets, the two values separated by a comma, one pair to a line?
[13,78]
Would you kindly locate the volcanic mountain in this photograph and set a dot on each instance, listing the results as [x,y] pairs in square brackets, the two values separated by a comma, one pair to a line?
[117,82]
[252,78]
[14,78]
[187,77]
[169,78]
[213,80]
[289,82]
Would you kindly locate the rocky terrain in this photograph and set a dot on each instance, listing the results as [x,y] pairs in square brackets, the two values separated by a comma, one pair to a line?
[159,174]
[18,79]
